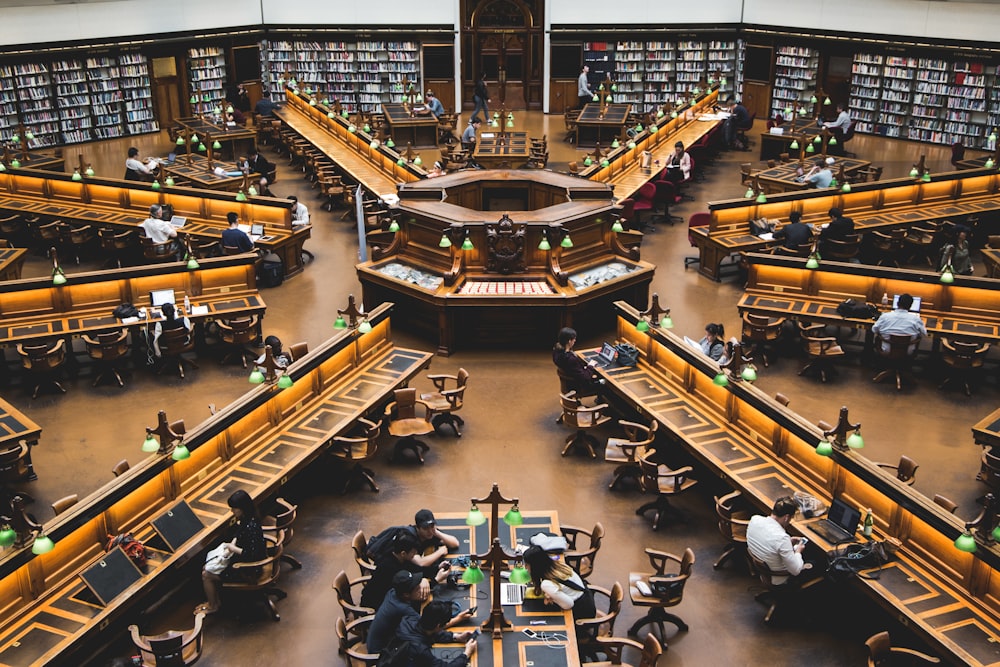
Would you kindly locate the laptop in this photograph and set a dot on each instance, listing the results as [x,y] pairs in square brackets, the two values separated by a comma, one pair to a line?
[158,297]
[840,524]
[171,158]
[178,221]
[512,594]
[915,308]
[606,357]
[257,233]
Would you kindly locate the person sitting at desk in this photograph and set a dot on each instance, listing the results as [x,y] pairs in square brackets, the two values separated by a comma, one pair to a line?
[839,228]
[234,116]
[580,377]
[739,119]
[234,237]
[300,214]
[420,634]
[678,165]
[469,135]
[398,555]
[136,169]
[839,126]
[900,322]
[265,105]
[560,584]
[400,603]
[820,176]
[434,544]
[434,105]
[246,547]
[768,541]
[168,323]
[712,344]
[158,230]
[280,358]
[795,233]
[583,87]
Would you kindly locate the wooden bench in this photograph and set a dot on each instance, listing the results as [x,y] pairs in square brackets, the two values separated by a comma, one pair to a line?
[257,444]
[760,447]
[122,205]
[883,204]
[783,287]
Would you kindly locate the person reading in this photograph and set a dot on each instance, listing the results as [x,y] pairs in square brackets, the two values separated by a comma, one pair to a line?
[246,547]
[300,214]
[839,228]
[678,165]
[434,105]
[579,375]
[820,176]
[136,169]
[795,233]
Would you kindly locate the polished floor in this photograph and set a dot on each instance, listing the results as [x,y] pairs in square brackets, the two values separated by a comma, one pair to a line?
[511,438]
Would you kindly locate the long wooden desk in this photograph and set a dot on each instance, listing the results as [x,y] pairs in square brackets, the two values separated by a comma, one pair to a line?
[194,168]
[765,450]
[39,161]
[124,204]
[879,205]
[968,309]
[15,427]
[257,444]
[514,647]
[502,151]
[773,145]
[404,127]
[11,261]
[600,124]
[987,431]
[35,309]
[240,138]
[785,177]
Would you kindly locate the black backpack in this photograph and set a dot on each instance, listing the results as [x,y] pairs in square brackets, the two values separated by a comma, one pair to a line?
[396,654]
[380,546]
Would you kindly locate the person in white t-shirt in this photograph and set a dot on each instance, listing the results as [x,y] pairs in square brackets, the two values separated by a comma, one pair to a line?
[300,214]
[768,541]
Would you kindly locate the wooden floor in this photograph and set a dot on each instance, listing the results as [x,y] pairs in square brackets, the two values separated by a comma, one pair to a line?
[511,438]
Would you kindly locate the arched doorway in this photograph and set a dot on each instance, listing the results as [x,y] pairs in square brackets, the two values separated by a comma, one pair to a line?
[504,40]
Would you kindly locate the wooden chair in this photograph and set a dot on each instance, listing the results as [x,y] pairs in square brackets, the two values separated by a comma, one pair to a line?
[264,586]
[578,416]
[696,220]
[881,653]
[888,246]
[578,555]
[356,449]
[962,360]
[14,463]
[283,519]
[158,252]
[298,350]
[821,350]
[174,648]
[781,398]
[759,331]
[614,647]
[108,350]
[42,362]
[173,344]
[734,514]
[666,590]
[360,546]
[76,240]
[626,451]
[444,403]
[920,241]
[119,245]
[64,503]
[898,359]
[644,201]
[843,251]
[121,468]
[231,250]
[204,249]
[777,594]
[946,503]
[665,484]
[235,335]
[601,625]
[351,639]
[989,469]
[905,470]
[405,424]
[344,588]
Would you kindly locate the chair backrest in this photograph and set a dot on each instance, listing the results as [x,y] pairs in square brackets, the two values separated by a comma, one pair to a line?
[121,468]
[239,331]
[14,463]
[764,572]
[231,250]
[946,503]
[342,588]
[172,648]
[761,327]
[571,407]
[109,345]
[734,530]
[175,341]
[42,356]
[849,132]
[646,193]
[651,651]
[360,546]
[899,346]
[65,503]
[298,350]
[151,250]
[907,468]
[406,403]
[843,249]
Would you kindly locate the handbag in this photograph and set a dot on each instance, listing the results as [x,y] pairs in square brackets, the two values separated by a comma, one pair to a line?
[217,559]
[125,310]
[852,558]
[628,354]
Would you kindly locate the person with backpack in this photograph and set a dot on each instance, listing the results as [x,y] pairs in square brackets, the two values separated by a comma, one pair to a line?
[417,635]
[399,556]
[561,584]
[432,544]
[403,601]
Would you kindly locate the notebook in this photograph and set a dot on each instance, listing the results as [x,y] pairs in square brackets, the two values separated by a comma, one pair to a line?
[915,308]
[606,357]
[511,594]
[840,524]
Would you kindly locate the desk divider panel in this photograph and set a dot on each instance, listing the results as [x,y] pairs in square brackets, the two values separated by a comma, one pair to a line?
[111,575]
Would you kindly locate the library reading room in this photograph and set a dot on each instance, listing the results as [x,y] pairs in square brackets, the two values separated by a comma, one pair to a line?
[503,333]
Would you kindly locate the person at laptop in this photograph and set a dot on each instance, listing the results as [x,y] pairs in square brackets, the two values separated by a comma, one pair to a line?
[300,214]
[421,633]
[678,165]
[234,237]
[136,169]
[900,322]
[560,584]
[158,230]
[403,601]
[469,135]
[434,105]
[795,233]
[247,546]
[169,322]
[579,375]
[768,540]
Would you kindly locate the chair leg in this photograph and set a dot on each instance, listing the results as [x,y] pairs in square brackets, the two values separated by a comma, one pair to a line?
[292,560]
[581,440]
[451,420]
[656,617]
[409,443]
[623,472]
[362,475]
[662,506]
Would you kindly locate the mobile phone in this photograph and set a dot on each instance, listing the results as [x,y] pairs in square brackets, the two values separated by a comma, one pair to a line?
[530,633]
[803,541]
[476,633]
[473,610]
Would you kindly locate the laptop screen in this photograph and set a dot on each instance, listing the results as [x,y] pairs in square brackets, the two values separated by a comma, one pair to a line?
[257,230]
[158,297]
[915,308]
[608,352]
[844,516]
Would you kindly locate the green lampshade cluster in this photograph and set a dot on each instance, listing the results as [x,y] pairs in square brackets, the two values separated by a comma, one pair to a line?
[473,574]
[513,517]
[42,545]
[475,517]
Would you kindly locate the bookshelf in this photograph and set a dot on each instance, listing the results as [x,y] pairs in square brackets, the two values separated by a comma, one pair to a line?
[8,102]
[660,71]
[866,90]
[206,78]
[38,110]
[930,92]
[600,57]
[72,101]
[795,76]
[276,60]
[630,71]
[965,115]
[103,85]
[136,93]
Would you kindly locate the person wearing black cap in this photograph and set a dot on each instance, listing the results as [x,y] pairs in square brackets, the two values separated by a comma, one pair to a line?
[434,545]
[421,633]
[403,601]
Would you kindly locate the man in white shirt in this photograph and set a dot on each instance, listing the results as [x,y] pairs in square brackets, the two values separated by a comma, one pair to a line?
[900,322]
[157,229]
[768,540]
[583,87]
[843,120]
[300,214]
[135,169]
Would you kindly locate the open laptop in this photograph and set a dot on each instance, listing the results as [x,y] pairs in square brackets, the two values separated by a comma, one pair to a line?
[158,297]
[511,594]
[840,524]
[915,308]
[178,221]
[606,357]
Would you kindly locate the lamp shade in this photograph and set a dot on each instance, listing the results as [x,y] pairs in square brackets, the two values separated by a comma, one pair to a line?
[812,100]
[965,542]
[400,162]
[340,322]
[794,145]
[749,193]
[180,452]
[616,226]
[475,517]
[42,544]
[947,276]
[513,517]
[631,144]
[812,262]
[58,277]
[989,163]
[241,196]
[473,574]
[817,139]
[76,175]
[364,327]
[544,243]
[390,143]
[833,141]
[193,264]
[926,178]
[721,380]
[393,226]
[518,574]
[749,374]
[216,145]
[587,161]
[467,244]
[8,535]
[252,191]
[256,377]
[855,441]
[761,198]
[615,143]
[642,326]
[445,242]
[914,173]
[810,149]
[150,444]
[846,187]
[824,448]
[170,182]
[666,322]
[285,381]
[15,163]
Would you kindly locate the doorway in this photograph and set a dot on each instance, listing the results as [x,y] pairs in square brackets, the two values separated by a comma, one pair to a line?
[503,39]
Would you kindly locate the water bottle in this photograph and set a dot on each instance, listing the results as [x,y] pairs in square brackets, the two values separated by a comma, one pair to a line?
[885,299]
[866,529]
[187,305]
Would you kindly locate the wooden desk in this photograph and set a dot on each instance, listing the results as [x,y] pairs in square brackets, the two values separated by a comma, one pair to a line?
[975,163]
[987,431]
[773,145]
[257,443]
[514,647]
[968,309]
[785,177]
[600,124]
[420,131]
[41,161]
[237,140]
[502,151]
[15,426]
[767,451]
[35,309]
[11,261]
[194,168]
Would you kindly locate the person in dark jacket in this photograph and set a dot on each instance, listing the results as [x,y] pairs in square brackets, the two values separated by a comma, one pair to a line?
[402,602]
[839,229]
[248,546]
[581,377]
[422,633]
[795,233]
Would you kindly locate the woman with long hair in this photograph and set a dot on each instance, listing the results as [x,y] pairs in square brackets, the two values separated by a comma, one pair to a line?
[560,584]
[246,547]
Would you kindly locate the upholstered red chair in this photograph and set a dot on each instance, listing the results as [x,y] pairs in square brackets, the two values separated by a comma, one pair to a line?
[644,201]
[666,196]
[696,220]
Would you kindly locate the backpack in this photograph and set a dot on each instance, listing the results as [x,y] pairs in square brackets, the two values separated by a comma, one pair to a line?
[380,546]
[855,309]
[395,654]
[132,547]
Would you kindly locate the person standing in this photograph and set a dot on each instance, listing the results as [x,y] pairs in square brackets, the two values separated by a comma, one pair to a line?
[481,97]
[956,252]
[583,87]
[768,541]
